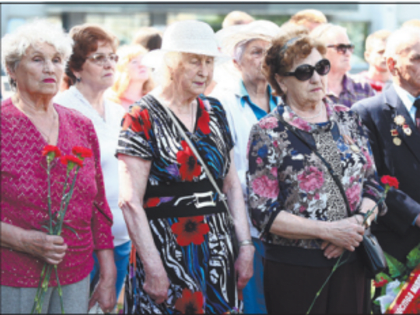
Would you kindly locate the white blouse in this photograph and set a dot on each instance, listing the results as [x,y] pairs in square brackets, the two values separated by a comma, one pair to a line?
[107,131]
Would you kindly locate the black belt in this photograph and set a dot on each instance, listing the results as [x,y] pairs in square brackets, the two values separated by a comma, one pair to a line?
[189,199]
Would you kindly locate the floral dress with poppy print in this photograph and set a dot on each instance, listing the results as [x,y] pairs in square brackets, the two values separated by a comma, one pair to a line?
[196,250]
[285,175]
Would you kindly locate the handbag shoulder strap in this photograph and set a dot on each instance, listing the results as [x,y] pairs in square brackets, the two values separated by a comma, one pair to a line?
[328,165]
[222,196]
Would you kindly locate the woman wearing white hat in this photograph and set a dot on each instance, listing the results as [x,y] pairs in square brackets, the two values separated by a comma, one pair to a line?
[179,225]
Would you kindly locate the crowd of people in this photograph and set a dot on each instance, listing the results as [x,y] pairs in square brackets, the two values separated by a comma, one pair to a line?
[229,170]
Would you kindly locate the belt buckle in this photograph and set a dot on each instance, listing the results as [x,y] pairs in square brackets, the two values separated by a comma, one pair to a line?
[201,204]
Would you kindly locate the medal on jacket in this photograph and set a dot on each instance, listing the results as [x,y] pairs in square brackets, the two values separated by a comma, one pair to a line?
[407,130]
[397,141]
[399,120]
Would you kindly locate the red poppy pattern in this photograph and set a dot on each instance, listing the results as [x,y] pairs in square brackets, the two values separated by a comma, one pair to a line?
[51,149]
[82,152]
[203,122]
[187,246]
[190,303]
[189,166]
[151,202]
[190,230]
[138,120]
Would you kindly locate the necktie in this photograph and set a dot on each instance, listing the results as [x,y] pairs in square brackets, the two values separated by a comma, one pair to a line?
[417,120]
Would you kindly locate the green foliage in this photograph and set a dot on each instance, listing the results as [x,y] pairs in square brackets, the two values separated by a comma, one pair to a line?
[413,257]
[396,268]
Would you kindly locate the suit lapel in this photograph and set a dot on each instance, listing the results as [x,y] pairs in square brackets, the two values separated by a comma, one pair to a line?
[397,108]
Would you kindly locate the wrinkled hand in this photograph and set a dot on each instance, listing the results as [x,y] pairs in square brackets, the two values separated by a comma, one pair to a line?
[104,294]
[156,284]
[50,248]
[331,250]
[346,233]
[244,265]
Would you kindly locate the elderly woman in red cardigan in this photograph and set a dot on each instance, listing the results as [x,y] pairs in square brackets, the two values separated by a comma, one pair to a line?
[35,56]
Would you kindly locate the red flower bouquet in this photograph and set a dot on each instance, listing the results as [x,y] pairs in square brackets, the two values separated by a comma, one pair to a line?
[56,220]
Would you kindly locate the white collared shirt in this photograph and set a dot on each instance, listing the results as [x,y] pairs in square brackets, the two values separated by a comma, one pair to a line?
[408,101]
[108,131]
[241,118]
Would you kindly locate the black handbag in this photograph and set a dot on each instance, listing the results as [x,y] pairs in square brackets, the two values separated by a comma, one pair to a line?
[369,249]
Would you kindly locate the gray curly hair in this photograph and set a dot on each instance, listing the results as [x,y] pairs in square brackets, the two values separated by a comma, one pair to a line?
[14,45]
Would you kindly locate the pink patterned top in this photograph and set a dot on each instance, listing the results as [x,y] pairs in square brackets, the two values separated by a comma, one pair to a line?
[24,195]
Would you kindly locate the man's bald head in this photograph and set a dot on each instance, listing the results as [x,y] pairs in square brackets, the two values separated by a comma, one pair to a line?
[401,40]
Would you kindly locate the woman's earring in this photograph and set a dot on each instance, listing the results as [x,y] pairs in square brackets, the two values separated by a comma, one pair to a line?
[78,79]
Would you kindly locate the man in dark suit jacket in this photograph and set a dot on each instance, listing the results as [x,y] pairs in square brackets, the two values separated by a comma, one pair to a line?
[390,120]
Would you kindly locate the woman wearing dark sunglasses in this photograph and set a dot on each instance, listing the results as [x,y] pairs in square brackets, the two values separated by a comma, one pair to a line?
[293,200]
[342,89]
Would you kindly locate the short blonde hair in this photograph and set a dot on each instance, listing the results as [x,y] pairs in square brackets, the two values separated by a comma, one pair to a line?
[412,23]
[122,80]
[310,15]
[235,18]
[381,35]
[14,45]
[325,31]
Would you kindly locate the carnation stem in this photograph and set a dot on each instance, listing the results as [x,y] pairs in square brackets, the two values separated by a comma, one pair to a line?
[59,290]
[38,291]
[49,196]
[66,203]
[325,283]
[337,264]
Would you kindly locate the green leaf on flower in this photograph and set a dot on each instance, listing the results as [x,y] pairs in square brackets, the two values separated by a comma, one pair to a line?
[71,229]
[413,257]
[395,267]
[382,276]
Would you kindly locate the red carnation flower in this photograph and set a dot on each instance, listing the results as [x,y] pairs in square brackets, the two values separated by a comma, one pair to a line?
[189,166]
[82,152]
[190,303]
[380,284]
[151,202]
[190,230]
[71,160]
[203,122]
[51,149]
[138,120]
[390,181]
[376,87]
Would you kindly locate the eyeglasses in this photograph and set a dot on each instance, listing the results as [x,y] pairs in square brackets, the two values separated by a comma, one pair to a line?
[305,72]
[342,48]
[100,59]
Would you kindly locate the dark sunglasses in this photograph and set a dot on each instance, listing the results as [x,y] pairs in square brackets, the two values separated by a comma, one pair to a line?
[342,48]
[305,72]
